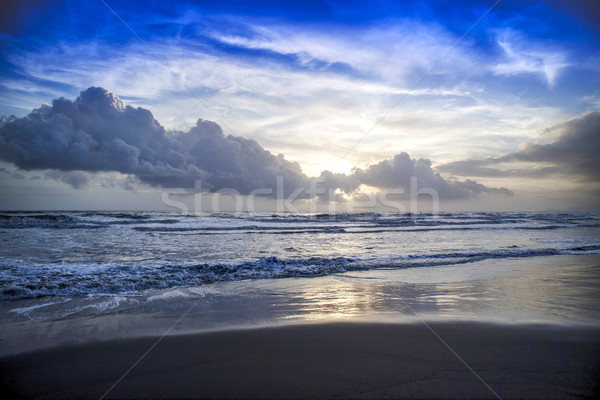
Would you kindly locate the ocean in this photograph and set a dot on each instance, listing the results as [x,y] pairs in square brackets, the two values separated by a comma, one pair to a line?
[81,253]
[105,270]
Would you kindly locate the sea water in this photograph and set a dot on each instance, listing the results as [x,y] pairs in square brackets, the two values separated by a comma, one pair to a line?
[108,274]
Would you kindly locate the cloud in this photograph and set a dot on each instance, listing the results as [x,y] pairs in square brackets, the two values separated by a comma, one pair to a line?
[523,57]
[97,132]
[406,45]
[397,172]
[575,152]
[77,179]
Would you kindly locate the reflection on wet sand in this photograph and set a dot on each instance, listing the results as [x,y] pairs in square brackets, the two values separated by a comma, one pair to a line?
[556,290]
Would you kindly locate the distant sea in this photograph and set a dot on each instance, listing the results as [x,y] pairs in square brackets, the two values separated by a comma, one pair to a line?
[84,253]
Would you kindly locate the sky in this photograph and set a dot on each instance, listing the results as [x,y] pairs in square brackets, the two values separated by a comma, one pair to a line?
[493,105]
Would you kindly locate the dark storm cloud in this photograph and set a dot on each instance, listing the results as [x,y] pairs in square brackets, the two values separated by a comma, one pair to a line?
[575,152]
[98,133]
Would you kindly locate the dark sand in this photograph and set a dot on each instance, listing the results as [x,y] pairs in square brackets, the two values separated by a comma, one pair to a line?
[346,360]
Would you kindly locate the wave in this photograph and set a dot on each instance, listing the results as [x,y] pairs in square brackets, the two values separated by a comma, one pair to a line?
[20,280]
[337,229]
[212,230]
[288,222]
[76,221]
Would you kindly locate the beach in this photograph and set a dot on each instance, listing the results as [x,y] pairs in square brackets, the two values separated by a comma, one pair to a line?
[351,306]
[340,360]
[372,334]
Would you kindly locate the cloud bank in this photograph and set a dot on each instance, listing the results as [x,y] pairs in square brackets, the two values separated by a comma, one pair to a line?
[575,153]
[97,132]
[397,172]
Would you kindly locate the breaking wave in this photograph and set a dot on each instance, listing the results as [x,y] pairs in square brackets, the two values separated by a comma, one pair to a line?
[22,280]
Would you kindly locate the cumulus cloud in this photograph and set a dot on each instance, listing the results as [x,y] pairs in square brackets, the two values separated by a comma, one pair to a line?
[575,152]
[397,172]
[97,132]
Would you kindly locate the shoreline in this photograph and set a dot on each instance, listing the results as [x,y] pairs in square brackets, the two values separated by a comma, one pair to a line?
[555,290]
[323,360]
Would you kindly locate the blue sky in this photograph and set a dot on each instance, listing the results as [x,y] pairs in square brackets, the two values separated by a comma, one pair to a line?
[308,79]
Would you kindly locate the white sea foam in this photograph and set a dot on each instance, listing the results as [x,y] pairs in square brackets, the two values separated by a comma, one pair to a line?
[170,294]
[83,253]
[27,310]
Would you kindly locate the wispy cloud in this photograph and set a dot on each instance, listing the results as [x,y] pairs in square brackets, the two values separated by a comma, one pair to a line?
[393,51]
[523,55]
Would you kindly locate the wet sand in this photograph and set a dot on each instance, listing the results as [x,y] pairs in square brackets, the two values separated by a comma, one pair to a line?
[329,360]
